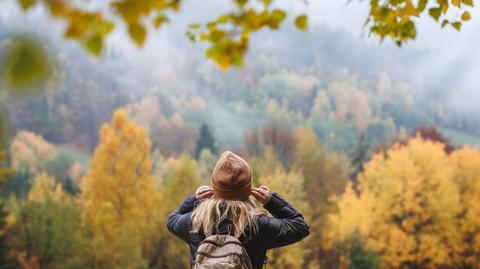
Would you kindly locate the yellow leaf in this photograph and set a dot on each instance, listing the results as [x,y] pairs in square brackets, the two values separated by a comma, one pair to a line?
[466,16]
[301,22]
[410,9]
[94,44]
[137,33]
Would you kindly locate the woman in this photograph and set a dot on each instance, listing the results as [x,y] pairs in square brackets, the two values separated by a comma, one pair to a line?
[227,208]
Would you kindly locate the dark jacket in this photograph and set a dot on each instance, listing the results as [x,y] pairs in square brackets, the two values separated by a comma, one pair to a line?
[286,227]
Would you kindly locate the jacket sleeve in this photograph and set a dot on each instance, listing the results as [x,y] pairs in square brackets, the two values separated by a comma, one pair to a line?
[286,227]
[178,221]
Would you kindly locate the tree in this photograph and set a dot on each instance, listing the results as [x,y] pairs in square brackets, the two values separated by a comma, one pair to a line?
[358,255]
[48,228]
[30,152]
[119,198]
[291,187]
[407,207]
[229,33]
[425,132]
[467,175]
[324,175]
[205,141]
[433,134]
[206,163]
[181,180]
[280,139]
[4,173]
[358,157]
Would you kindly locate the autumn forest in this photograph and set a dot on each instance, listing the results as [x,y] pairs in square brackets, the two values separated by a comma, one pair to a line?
[385,170]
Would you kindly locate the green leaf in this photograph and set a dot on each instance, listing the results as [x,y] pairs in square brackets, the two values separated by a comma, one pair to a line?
[457,25]
[276,17]
[445,22]
[468,2]
[466,16]
[94,44]
[191,36]
[435,12]
[421,5]
[444,7]
[195,26]
[159,20]
[25,66]
[137,33]
[301,22]
[26,4]
[241,3]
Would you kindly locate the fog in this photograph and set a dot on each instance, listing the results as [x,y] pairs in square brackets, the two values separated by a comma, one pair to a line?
[440,62]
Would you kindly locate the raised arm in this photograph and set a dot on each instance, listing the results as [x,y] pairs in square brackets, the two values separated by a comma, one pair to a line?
[286,227]
[178,221]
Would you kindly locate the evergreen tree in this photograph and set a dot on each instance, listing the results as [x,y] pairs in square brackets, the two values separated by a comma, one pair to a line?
[205,141]
[359,256]
[358,157]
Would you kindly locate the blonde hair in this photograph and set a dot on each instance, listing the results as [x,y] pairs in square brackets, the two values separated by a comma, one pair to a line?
[210,213]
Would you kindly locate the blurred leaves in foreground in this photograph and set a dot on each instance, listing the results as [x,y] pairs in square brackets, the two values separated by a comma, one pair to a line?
[229,33]
[24,65]
[396,19]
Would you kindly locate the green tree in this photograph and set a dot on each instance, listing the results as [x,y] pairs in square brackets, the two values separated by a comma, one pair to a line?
[4,173]
[48,227]
[205,141]
[358,157]
[357,253]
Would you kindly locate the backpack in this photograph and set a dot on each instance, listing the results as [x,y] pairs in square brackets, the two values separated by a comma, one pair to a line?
[221,252]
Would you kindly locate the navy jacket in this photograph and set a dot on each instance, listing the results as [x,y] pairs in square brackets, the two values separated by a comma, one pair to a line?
[286,227]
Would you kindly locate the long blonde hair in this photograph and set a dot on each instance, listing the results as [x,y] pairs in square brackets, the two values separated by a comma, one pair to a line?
[208,215]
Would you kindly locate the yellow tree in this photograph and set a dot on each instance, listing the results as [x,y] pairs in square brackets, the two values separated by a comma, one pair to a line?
[181,180]
[290,186]
[120,202]
[467,175]
[324,175]
[406,204]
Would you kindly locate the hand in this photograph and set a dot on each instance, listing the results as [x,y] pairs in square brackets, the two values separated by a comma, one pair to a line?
[262,194]
[203,192]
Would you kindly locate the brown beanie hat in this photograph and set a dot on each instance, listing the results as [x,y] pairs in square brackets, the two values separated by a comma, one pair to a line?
[231,178]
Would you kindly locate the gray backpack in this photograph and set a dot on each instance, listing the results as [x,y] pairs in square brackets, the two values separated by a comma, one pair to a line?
[221,252]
